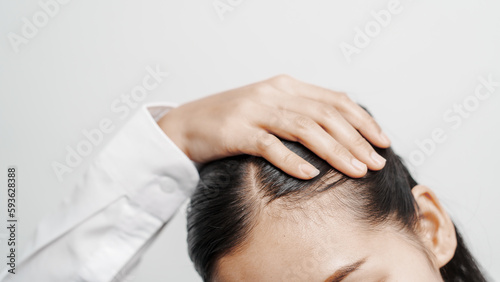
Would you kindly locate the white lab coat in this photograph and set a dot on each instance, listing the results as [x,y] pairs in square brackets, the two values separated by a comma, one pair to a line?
[127,195]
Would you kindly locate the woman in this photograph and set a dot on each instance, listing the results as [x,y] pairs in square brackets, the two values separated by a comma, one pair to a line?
[143,175]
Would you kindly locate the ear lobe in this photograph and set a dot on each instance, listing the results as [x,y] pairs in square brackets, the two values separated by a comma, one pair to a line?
[436,228]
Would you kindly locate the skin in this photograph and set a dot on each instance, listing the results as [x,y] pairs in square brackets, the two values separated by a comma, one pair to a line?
[301,244]
[249,119]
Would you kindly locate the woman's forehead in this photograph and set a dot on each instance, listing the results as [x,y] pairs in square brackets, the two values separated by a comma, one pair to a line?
[299,237]
[312,252]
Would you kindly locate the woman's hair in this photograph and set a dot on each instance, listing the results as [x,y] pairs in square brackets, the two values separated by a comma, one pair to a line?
[231,192]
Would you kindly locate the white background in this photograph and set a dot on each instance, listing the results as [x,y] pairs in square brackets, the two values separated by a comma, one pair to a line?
[426,60]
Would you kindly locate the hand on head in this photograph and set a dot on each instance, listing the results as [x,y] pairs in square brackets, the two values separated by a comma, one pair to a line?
[249,120]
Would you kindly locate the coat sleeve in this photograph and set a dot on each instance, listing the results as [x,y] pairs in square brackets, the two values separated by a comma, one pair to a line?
[128,193]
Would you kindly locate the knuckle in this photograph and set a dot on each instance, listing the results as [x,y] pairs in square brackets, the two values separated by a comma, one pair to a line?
[303,123]
[343,98]
[328,112]
[282,79]
[263,89]
[265,142]
[278,120]
[288,158]
[241,106]
[359,142]
[368,124]
[337,151]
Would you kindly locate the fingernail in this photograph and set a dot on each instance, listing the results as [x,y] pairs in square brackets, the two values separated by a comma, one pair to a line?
[378,159]
[309,170]
[358,165]
[385,138]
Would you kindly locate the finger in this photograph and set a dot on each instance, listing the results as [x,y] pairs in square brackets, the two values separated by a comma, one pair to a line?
[360,119]
[300,128]
[340,129]
[272,149]
[351,111]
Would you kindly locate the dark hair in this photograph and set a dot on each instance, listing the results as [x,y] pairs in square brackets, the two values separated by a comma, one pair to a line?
[225,204]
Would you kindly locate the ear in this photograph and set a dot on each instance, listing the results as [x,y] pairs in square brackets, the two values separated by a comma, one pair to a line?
[436,228]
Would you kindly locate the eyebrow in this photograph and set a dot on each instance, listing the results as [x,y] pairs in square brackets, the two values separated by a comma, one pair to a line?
[344,271]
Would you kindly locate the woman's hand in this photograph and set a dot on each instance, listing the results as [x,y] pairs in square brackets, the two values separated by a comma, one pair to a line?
[248,119]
